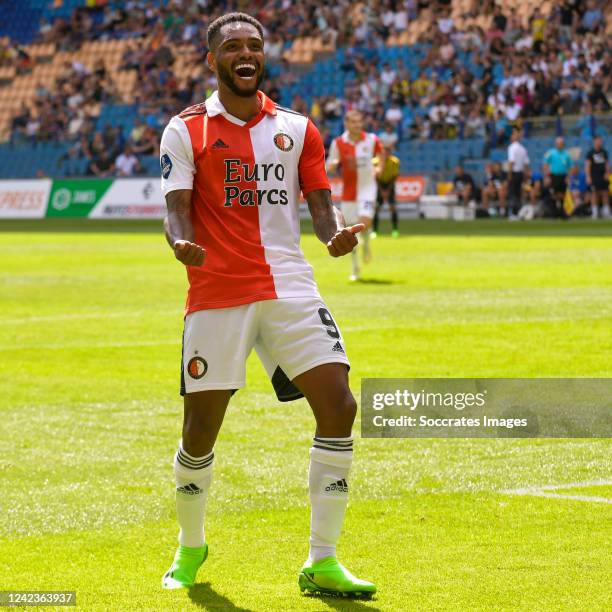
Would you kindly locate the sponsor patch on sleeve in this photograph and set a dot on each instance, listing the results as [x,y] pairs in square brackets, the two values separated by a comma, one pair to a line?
[166,165]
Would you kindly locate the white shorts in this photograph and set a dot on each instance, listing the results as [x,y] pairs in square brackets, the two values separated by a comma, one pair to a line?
[353,211]
[291,336]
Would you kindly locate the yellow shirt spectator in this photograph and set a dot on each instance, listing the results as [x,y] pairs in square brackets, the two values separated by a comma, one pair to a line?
[420,86]
[538,25]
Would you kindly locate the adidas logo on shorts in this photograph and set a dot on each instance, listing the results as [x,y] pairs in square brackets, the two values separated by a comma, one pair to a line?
[341,486]
[338,347]
[190,489]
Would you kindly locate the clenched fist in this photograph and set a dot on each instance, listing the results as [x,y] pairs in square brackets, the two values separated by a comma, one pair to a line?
[189,253]
[345,240]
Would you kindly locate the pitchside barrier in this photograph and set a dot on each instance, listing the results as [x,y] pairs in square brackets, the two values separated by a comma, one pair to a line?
[141,198]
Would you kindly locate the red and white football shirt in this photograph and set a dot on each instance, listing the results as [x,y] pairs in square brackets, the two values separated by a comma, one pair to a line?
[355,158]
[246,179]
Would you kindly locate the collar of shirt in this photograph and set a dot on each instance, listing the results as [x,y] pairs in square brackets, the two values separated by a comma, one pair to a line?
[214,106]
[347,138]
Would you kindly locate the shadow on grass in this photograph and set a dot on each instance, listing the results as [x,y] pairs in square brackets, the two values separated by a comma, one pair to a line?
[348,604]
[378,281]
[204,596]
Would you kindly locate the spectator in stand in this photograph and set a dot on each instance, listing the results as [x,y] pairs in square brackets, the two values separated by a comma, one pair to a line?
[149,144]
[394,114]
[127,163]
[538,29]
[495,187]
[593,17]
[464,187]
[137,131]
[389,137]
[557,164]
[101,166]
[19,123]
[597,171]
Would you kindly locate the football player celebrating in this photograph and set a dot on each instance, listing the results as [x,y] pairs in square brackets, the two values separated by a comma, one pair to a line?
[233,168]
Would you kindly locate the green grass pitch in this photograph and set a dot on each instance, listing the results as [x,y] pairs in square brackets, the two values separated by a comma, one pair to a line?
[90,417]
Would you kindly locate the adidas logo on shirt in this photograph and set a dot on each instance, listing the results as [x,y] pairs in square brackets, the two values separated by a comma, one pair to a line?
[341,486]
[190,489]
[338,347]
[219,144]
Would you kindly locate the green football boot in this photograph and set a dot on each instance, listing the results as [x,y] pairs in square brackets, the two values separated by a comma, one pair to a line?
[182,572]
[328,577]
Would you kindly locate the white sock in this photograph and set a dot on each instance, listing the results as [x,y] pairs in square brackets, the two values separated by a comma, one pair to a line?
[366,241]
[330,462]
[605,212]
[193,476]
[355,261]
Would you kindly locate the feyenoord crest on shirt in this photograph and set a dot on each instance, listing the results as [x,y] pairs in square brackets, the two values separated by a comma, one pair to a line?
[284,142]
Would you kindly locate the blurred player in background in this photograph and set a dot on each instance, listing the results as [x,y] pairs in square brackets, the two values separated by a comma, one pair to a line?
[597,171]
[232,171]
[354,152]
[386,177]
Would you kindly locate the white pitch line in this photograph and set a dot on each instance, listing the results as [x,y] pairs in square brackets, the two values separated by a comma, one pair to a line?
[576,485]
[548,491]
[583,498]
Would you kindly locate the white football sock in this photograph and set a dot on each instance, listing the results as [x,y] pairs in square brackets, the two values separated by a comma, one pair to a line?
[355,261]
[366,242]
[193,477]
[330,462]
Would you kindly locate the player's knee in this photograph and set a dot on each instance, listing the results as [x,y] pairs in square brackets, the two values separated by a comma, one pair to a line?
[197,434]
[347,409]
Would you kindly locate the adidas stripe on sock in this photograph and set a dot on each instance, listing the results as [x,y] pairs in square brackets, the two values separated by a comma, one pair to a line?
[193,476]
[330,462]
[193,463]
[333,444]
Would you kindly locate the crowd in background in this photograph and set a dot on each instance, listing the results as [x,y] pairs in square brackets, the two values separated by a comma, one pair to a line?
[555,65]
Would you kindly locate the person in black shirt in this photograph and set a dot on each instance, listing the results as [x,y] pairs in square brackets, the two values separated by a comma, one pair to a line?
[495,187]
[499,19]
[463,186]
[597,170]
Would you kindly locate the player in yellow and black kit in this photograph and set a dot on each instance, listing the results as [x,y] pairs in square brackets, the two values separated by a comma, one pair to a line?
[386,177]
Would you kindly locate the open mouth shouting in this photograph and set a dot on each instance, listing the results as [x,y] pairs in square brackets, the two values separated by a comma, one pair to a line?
[246,70]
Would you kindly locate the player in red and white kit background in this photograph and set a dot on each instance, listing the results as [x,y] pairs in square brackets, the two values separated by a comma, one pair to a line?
[233,168]
[354,152]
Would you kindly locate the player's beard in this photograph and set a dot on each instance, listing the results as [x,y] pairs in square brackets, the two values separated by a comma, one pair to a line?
[227,78]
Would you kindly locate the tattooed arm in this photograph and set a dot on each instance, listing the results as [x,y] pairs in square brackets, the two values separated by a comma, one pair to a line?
[329,224]
[179,230]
